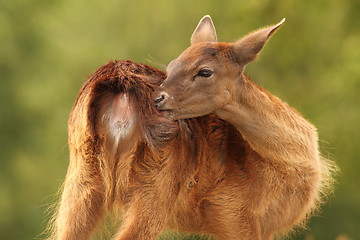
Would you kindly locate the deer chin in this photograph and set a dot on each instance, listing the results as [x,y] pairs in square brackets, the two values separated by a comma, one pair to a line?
[168,113]
[171,114]
[179,114]
[175,115]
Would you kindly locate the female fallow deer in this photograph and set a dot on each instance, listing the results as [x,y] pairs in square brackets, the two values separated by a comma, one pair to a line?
[253,175]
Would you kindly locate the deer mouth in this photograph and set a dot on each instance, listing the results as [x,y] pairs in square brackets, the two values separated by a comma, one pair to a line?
[164,104]
[166,110]
[161,107]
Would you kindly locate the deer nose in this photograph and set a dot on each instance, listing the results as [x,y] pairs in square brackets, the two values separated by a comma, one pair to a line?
[159,100]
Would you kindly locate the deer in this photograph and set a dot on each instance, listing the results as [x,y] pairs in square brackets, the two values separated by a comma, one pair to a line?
[199,149]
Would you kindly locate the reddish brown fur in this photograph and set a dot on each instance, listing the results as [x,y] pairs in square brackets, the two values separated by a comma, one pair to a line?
[252,174]
[284,173]
[196,175]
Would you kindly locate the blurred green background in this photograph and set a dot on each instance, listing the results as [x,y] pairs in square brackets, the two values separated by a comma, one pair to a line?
[48,48]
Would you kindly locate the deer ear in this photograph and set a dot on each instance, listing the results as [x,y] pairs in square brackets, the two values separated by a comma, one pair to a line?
[249,46]
[204,32]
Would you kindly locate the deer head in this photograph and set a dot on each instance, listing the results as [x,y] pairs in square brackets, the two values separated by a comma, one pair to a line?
[207,76]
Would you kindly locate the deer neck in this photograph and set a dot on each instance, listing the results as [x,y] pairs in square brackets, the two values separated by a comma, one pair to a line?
[248,103]
[268,124]
[251,107]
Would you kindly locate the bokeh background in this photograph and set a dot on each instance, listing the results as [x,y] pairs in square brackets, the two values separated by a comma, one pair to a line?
[49,47]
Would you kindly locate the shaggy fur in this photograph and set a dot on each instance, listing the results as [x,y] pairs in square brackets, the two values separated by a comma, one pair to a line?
[282,170]
[197,175]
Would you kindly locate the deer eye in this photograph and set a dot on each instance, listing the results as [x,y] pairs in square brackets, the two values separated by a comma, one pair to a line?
[206,73]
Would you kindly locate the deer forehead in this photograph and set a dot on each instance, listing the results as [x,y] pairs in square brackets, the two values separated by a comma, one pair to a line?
[199,54]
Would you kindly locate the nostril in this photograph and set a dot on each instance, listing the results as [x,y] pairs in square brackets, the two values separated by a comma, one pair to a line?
[159,99]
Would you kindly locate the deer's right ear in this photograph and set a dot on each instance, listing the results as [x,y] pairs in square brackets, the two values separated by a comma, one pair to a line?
[204,32]
[250,46]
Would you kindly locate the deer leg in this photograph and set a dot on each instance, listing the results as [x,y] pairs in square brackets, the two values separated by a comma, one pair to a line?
[144,219]
[226,216]
[240,225]
[80,209]
[237,227]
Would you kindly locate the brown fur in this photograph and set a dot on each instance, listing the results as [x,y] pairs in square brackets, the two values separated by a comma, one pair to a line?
[195,176]
[256,174]
[286,169]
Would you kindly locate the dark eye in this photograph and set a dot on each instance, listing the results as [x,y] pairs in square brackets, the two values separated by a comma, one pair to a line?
[206,73]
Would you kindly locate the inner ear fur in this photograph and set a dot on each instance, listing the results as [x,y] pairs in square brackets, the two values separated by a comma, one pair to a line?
[204,32]
[248,47]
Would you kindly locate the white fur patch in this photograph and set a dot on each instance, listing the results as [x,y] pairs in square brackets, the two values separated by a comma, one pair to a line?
[121,117]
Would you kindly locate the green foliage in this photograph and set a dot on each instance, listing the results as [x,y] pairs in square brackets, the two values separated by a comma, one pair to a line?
[48,48]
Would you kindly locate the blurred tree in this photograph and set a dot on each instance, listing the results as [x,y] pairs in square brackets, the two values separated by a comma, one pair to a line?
[48,48]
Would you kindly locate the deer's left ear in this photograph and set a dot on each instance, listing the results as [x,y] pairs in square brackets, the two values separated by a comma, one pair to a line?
[204,32]
[249,46]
